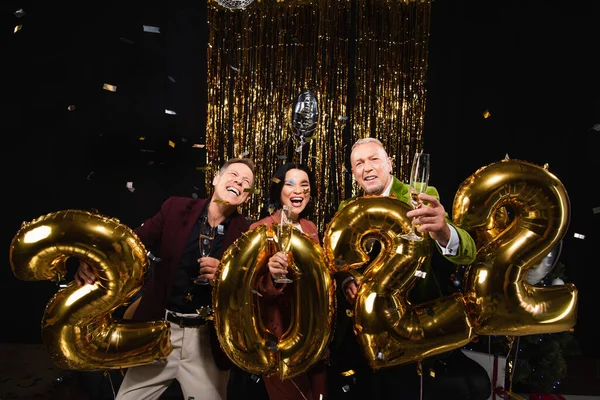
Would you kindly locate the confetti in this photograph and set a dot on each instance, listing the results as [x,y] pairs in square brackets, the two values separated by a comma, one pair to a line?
[275,180]
[579,236]
[596,210]
[253,191]
[89,177]
[128,41]
[147,150]
[151,29]
[244,154]
[343,118]
[170,112]
[194,195]
[171,79]
[142,138]
[596,128]
[19,13]
[71,108]
[18,28]
[130,187]
[198,146]
[221,201]
[207,168]
[256,293]
[282,157]
[350,372]
[109,87]
[486,114]
[420,274]
[172,143]
[184,139]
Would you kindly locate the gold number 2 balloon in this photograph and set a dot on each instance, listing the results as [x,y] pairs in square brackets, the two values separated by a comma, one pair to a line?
[391,330]
[77,326]
[516,212]
[243,336]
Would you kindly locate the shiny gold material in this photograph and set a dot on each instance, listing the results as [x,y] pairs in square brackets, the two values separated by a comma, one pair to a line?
[77,326]
[517,212]
[392,330]
[241,332]
[260,58]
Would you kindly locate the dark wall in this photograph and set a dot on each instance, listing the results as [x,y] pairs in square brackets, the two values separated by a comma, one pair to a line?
[532,64]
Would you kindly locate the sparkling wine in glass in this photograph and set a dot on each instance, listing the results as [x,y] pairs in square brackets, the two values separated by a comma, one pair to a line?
[284,238]
[419,178]
[207,236]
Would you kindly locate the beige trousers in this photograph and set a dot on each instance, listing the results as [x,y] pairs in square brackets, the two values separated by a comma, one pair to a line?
[190,362]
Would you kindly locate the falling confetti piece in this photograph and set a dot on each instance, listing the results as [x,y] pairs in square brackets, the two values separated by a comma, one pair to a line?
[18,28]
[596,210]
[184,139]
[19,13]
[234,68]
[142,138]
[221,201]
[276,180]
[198,146]
[350,372]
[420,274]
[579,236]
[256,293]
[172,143]
[128,41]
[282,157]
[596,128]
[151,29]
[486,114]
[253,191]
[170,112]
[89,177]
[130,187]
[171,79]
[147,150]
[71,108]
[207,168]
[109,87]
[244,154]
[194,195]
[343,118]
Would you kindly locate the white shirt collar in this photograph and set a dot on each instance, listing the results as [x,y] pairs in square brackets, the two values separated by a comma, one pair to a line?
[388,189]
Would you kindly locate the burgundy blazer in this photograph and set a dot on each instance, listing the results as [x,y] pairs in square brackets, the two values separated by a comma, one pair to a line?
[166,234]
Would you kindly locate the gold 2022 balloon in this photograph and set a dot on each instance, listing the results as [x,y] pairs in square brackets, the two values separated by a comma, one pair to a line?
[391,330]
[517,212]
[77,327]
[243,336]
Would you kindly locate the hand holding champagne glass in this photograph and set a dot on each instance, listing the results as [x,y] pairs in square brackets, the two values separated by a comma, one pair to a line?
[419,178]
[207,236]
[284,238]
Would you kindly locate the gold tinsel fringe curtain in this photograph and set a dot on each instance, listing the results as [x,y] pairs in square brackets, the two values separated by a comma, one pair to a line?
[365,61]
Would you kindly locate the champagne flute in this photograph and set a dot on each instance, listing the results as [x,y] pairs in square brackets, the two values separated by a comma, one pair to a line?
[284,238]
[419,178]
[207,236]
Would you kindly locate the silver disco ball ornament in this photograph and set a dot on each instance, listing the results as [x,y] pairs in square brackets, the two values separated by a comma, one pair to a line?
[235,4]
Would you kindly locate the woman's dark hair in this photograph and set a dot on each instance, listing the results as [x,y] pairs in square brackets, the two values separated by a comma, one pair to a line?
[277,186]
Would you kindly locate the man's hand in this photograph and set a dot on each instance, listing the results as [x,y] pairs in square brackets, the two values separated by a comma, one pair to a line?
[208,268]
[351,290]
[278,264]
[431,218]
[85,274]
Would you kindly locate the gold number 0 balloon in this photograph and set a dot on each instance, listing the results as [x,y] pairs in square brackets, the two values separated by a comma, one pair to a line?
[243,336]
[391,330]
[77,327]
[517,212]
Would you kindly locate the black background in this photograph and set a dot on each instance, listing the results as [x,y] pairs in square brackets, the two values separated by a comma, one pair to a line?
[532,64]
